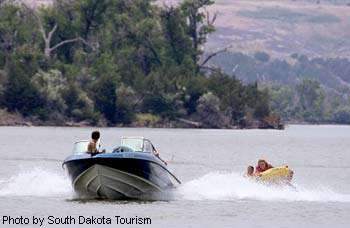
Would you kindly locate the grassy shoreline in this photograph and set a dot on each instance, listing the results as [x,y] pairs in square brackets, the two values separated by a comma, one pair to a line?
[146,120]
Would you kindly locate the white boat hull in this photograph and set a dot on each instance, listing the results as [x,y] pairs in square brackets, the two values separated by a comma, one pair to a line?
[100,181]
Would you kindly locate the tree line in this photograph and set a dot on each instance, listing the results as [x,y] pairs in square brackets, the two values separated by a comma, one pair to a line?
[120,62]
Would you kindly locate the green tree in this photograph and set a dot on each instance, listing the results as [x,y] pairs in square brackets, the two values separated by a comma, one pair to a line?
[15,30]
[105,86]
[179,45]
[283,101]
[199,24]
[262,106]
[311,100]
[231,94]
[20,95]
[92,14]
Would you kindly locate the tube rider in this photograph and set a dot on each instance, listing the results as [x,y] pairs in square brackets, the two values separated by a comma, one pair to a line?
[262,167]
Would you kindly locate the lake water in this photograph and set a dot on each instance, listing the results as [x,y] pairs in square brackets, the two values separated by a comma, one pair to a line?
[210,164]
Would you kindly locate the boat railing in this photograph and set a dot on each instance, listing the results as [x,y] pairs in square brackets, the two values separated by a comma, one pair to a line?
[137,144]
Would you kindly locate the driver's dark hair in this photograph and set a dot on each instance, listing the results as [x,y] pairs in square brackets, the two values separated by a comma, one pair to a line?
[95,135]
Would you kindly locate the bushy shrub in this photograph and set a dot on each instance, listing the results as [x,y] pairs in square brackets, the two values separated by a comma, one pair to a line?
[342,115]
[50,86]
[79,105]
[209,112]
[147,119]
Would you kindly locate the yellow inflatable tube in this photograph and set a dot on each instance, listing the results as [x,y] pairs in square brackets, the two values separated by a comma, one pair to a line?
[276,174]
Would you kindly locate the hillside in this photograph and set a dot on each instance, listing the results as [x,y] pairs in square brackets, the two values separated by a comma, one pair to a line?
[282,27]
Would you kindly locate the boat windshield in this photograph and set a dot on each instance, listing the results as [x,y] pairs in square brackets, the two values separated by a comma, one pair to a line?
[80,147]
[137,144]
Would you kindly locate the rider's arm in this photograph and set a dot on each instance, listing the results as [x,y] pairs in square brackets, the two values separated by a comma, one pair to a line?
[156,152]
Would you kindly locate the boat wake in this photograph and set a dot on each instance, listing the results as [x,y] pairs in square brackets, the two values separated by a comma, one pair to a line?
[36,182]
[218,186]
[232,186]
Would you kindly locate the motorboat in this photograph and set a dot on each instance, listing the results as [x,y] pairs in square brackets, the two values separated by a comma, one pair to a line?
[131,171]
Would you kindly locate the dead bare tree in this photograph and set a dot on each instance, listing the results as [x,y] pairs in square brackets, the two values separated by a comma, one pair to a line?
[210,23]
[212,55]
[47,37]
[211,20]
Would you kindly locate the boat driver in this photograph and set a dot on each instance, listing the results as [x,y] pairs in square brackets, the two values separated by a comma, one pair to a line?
[93,144]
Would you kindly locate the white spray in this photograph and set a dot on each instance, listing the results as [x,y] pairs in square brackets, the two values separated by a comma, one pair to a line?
[233,186]
[36,182]
[213,186]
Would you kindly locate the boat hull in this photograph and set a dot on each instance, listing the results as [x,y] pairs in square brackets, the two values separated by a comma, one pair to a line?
[119,177]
